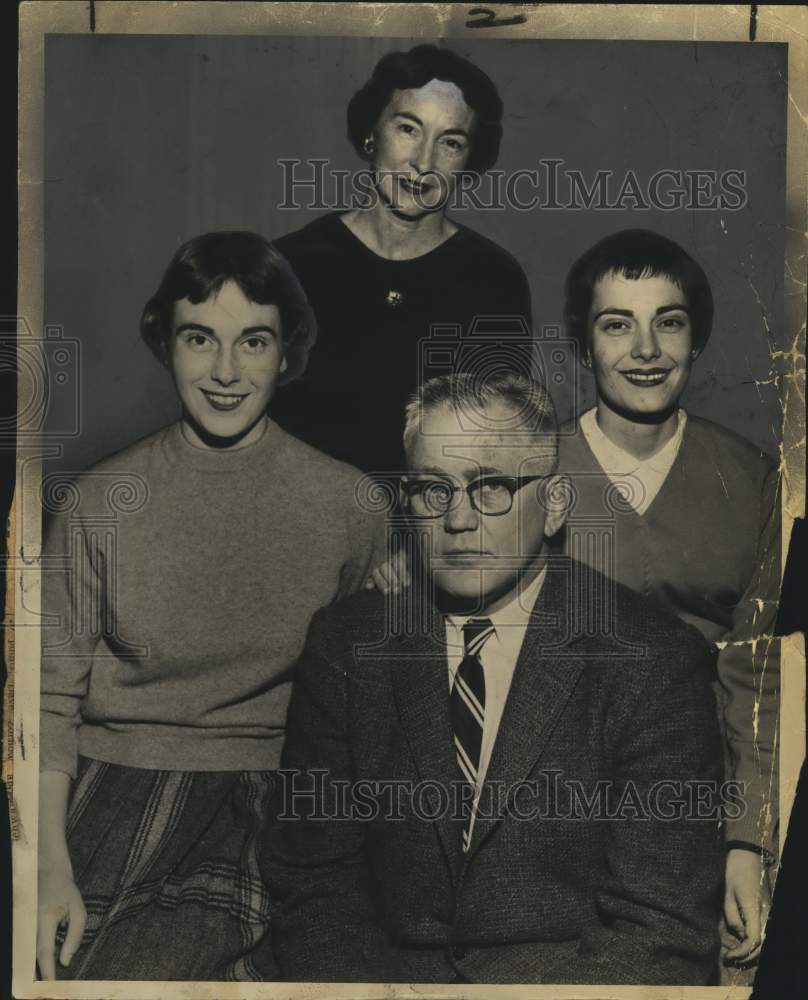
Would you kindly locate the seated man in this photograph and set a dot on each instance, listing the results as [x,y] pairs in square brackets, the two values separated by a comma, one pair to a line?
[509,774]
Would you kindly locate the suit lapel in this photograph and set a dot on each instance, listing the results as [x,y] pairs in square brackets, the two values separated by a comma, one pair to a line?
[544,677]
[421,689]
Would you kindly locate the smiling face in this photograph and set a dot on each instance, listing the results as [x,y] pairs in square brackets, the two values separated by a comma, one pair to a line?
[477,559]
[421,139]
[640,342]
[226,355]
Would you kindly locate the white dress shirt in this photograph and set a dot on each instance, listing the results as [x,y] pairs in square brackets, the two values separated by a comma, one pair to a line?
[638,479]
[498,657]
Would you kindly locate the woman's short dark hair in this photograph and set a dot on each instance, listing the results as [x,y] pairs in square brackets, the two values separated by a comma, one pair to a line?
[202,265]
[636,253]
[415,68]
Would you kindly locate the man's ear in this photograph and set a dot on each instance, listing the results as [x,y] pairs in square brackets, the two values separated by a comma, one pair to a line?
[557,496]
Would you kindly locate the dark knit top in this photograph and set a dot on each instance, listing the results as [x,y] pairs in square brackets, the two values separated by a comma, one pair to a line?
[374,347]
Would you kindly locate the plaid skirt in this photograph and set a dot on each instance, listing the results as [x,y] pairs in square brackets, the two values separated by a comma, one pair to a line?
[167,866]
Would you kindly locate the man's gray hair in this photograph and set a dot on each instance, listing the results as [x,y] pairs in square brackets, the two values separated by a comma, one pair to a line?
[469,395]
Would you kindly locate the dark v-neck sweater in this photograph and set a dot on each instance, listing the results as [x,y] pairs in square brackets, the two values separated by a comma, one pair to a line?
[708,550]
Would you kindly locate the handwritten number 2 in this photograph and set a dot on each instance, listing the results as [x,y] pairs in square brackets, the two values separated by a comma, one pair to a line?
[488,19]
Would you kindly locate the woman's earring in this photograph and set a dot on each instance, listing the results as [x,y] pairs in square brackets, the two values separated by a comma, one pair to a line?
[587,361]
[368,145]
[694,354]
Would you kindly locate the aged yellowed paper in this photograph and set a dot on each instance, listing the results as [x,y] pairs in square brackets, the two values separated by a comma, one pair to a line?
[156,143]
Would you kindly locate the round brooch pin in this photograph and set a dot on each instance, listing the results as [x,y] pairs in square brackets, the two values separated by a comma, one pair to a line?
[394,298]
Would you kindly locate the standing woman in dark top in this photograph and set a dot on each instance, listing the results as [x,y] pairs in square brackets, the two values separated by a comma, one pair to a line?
[378,277]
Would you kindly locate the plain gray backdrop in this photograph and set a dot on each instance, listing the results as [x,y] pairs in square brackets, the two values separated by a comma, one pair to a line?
[151,140]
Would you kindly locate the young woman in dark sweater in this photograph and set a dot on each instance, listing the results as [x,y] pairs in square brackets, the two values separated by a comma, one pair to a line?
[191,563]
[380,276]
[684,511]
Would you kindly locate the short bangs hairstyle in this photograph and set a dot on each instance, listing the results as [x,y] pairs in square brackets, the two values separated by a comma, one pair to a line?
[636,253]
[415,68]
[466,392]
[199,269]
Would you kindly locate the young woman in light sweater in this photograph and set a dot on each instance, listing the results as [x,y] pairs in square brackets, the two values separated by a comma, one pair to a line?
[683,510]
[192,562]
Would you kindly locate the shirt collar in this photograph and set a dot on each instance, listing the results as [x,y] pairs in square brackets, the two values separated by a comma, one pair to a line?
[615,461]
[511,618]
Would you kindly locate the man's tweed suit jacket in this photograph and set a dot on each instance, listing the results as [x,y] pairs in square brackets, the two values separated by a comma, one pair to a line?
[609,692]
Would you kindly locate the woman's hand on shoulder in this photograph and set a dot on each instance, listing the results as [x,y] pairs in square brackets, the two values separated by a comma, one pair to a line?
[59,904]
[391,576]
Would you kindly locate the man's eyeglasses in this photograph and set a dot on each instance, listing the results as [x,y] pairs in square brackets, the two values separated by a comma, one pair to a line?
[430,496]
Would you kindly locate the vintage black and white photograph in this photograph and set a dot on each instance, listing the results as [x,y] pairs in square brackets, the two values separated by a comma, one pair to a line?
[410,430]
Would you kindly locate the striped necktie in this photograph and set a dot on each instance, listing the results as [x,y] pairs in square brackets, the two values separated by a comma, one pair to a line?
[468,708]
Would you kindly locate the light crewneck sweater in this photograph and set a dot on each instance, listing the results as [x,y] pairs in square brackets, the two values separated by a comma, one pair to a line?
[182,581]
